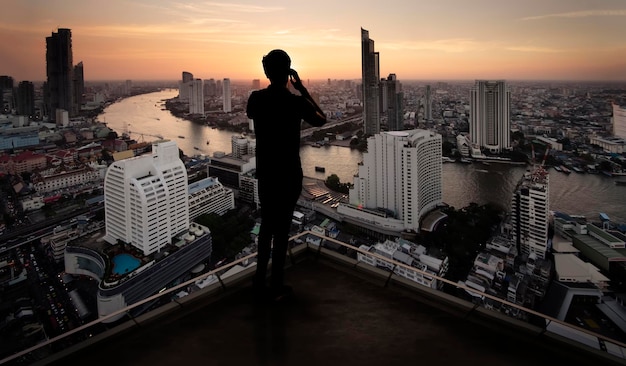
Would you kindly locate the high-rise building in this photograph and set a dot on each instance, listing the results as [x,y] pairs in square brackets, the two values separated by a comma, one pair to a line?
[78,88]
[146,200]
[218,87]
[196,97]
[256,84]
[128,87]
[26,98]
[530,213]
[184,85]
[394,104]
[619,121]
[59,71]
[6,93]
[370,76]
[227,96]
[399,180]
[210,89]
[490,115]
[428,105]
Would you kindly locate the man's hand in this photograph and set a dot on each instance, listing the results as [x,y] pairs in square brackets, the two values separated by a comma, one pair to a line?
[295,81]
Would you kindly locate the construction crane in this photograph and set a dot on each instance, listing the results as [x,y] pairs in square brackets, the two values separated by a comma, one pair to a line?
[147,134]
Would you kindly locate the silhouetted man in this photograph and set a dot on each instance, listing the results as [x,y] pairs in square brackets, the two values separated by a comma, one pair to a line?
[277,115]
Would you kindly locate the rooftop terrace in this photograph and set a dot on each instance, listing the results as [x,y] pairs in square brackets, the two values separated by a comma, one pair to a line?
[343,312]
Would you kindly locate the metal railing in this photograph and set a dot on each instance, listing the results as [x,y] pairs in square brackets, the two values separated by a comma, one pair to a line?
[616,348]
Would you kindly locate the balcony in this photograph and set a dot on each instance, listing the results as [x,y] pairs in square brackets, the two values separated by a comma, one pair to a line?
[343,312]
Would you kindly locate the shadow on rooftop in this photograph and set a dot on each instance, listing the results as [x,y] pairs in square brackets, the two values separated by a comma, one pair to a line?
[340,315]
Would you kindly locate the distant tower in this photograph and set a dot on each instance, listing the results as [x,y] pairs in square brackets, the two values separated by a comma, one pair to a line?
[209,88]
[185,83]
[256,84]
[428,108]
[218,87]
[401,173]
[78,87]
[619,121]
[6,93]
[370,76]
[146,200]
[490,121]
[394,103]
[227,96]
[128,87]
[530,212]
[59,71]
[196,97]
[26,98]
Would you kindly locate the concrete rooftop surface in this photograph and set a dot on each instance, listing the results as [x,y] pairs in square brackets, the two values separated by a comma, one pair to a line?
[338,316]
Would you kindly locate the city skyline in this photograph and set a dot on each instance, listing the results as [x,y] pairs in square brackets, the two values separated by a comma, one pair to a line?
[445,40]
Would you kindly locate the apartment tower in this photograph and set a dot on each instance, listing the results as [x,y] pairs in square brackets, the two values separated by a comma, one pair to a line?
[490,116]
[227,104]
[530,212]
[196,97]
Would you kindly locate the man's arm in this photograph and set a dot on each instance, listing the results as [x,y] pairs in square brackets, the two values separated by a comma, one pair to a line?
[318,117]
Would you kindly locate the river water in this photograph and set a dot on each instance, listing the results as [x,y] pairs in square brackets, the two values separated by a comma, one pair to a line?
[144,117]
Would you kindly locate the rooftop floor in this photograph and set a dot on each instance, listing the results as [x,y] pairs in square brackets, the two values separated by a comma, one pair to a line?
[338,316]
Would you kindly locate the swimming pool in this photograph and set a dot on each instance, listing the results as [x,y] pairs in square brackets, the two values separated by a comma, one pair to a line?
[124,263]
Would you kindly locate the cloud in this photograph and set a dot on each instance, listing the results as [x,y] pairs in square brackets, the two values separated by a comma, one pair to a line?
[534,49]
[580,14]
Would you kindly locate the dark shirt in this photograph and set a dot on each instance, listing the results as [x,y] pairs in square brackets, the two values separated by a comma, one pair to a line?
[277,115]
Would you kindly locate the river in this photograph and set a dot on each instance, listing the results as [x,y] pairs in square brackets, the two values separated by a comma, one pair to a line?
[144,117]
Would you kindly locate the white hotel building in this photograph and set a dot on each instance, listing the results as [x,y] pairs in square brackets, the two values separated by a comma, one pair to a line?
[146,199]
[398,182]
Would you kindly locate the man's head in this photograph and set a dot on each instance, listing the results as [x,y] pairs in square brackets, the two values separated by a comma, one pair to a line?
[276,65]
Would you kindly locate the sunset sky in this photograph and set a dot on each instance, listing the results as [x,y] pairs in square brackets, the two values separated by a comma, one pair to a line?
[427,40]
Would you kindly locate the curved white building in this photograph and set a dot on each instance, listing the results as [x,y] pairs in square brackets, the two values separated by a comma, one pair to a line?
[399,180]
[146,199]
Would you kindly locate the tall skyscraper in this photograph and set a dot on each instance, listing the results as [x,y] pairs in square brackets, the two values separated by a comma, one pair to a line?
[256,84]
[59,70]
[394,103]
[399,180]
[26,98]
[184,86]
[146,200]
[490,115]
[196,97]
[227,96]
[370,76]
[619,121]
[530,212]
[428,105]
[78,79]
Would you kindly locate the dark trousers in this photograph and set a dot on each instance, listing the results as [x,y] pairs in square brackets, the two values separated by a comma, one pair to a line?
[277,206]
